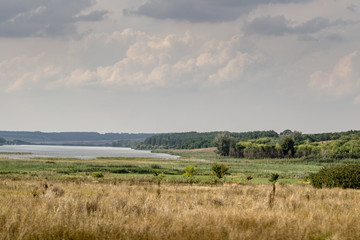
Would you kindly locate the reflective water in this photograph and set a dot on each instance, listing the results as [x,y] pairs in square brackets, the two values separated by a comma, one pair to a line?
[76,152]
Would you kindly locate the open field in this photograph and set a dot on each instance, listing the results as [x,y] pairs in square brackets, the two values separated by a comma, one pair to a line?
[59,199]
[200,159]
[62,209]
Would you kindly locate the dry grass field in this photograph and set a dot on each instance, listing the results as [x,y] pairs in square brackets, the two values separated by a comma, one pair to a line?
[88,209]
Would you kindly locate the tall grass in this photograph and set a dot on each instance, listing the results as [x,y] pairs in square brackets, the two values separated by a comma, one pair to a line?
[57,209]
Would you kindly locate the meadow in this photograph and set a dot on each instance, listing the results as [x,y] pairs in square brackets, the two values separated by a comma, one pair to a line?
[201,159]
[60,199]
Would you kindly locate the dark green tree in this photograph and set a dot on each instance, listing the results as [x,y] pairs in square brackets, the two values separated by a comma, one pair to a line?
[287,146]
[224,143]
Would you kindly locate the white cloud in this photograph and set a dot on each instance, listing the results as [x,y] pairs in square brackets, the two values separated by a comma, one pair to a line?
[156,61]
[26,72]
[343,79]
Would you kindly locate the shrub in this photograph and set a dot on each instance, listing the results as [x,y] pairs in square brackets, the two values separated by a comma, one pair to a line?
[155,166]
[274,177]
[219,170]
[189,171]
[97,175]
[343,176]
[248,178]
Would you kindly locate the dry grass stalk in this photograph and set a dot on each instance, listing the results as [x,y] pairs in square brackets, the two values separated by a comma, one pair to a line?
[108,211]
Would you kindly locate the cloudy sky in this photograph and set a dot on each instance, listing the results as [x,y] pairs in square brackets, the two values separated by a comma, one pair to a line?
[179,65]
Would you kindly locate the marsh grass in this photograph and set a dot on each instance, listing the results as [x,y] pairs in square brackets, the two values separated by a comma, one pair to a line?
[128,210]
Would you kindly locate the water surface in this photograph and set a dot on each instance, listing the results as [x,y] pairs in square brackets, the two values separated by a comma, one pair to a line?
[48,151]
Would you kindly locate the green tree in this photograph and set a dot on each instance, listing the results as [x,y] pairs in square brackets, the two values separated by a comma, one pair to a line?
[219,170]
[287,146]
[224,143]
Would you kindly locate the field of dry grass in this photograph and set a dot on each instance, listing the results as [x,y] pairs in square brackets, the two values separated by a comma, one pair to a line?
[59,209]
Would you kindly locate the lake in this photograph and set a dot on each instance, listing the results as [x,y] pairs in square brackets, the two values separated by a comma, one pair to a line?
[48,151]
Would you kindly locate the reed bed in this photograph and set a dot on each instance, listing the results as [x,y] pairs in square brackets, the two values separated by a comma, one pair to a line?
[55,209]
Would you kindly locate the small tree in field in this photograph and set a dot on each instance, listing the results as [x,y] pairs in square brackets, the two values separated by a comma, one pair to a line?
[189,173]
[224,142]
[273,179]
[219,170]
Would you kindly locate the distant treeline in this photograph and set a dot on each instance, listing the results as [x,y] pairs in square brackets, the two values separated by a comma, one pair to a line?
[73,138]
[292,144]
[263,144]
[192,140]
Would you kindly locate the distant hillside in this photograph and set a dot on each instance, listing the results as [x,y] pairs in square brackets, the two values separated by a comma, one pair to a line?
[75,138]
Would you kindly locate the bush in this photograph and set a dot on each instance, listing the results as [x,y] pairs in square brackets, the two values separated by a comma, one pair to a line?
[97,175]
[343,176]
[189,171]
[219,170]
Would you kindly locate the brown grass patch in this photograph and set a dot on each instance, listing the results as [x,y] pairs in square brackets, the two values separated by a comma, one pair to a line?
[85,210]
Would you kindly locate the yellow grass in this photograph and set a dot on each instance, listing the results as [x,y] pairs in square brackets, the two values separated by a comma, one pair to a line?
[54,209]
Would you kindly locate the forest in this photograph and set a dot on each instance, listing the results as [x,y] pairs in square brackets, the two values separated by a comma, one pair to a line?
[292,144]
[263,144]
[193,140]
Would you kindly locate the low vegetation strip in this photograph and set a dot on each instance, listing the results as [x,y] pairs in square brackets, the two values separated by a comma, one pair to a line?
[56,209]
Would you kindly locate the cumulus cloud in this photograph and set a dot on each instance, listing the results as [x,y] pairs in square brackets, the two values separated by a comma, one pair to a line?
[26,73]
[150,61]
[170,60]
[279,26]
[201,10]
[41,18]
[344,78]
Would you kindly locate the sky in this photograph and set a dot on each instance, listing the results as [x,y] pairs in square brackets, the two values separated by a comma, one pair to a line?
[154,66]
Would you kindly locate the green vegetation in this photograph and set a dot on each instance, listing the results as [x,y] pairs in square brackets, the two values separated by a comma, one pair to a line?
[343,176]
[97,175]
[294,144]
[274,177]
[264,144]
[219,170]
[189,173]
[224,143]
[194,140]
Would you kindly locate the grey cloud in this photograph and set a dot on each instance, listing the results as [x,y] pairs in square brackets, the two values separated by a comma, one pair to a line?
[352,8]
[41,18]
[201,10]
[307,38]
[279,26]
[93,16]
[334,37]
